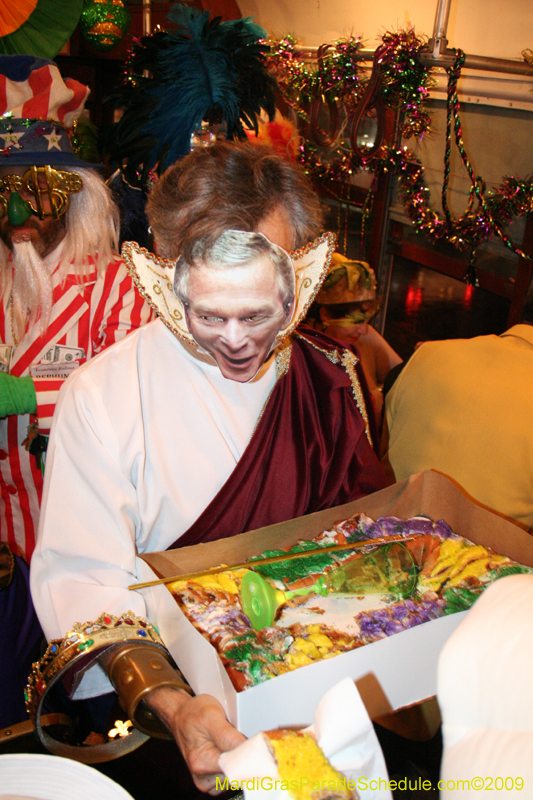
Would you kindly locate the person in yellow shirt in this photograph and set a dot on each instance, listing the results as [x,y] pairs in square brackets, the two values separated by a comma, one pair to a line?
[465,407]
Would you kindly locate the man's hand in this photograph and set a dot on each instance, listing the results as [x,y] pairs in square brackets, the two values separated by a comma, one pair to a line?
[17,395]
[200,728]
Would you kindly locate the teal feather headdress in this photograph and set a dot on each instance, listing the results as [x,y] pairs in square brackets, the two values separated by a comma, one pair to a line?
[198,70]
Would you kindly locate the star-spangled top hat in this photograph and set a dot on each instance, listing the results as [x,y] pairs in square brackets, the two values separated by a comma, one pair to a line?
[36,108]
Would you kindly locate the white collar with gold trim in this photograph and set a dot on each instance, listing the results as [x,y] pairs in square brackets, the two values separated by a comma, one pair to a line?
[154,278]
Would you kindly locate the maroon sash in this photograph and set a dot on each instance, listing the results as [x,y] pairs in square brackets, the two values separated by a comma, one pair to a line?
[309,451]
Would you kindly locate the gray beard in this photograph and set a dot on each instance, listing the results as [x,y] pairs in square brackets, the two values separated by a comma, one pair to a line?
[31,295]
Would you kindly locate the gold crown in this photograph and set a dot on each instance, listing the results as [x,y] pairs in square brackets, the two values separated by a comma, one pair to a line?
[63,654]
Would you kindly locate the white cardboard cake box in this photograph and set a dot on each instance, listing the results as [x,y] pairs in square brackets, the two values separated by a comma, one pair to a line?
[392,673]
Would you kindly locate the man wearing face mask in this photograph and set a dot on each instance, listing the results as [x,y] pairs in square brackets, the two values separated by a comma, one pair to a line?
[219,417]
[66,296]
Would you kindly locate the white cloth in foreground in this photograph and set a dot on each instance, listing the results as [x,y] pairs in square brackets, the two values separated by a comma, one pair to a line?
[346,736]
[142,495]
[485,693]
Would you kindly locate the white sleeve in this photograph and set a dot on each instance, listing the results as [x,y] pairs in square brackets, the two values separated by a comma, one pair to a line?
[85,556]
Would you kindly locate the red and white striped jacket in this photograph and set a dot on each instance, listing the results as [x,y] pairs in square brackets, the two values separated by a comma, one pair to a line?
[91,315]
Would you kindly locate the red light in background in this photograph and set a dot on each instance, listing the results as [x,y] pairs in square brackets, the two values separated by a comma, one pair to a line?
[413,299]
[469,293]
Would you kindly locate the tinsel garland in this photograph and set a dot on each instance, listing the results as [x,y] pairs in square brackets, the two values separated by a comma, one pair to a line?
[512,198]
[405,82]
[481,221]
[340,76]
[337,76]
[486,214]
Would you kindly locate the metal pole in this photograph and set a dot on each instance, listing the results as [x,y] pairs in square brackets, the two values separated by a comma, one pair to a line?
[436,54]
[441,24]
[444,59]
[502,65]
[438,44]
[147,18]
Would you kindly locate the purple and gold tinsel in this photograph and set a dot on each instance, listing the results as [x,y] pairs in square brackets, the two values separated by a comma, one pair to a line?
[511,198]
[405,82]
[337,78]
[340,76]
[404,86]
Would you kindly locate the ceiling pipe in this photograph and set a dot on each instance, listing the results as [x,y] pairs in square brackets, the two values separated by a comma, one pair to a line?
[437,53]
[438,42]
[427,57]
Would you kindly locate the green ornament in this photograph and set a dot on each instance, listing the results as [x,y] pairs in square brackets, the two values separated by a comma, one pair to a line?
[104,23]
[18,210]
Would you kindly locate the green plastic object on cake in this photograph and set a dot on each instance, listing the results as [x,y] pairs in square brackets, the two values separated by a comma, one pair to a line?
[387,570]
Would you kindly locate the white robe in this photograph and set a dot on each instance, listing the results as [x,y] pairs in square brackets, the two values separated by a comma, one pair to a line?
[162,431]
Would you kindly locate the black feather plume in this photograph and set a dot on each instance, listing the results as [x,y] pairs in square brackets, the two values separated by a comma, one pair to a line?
[198,70]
